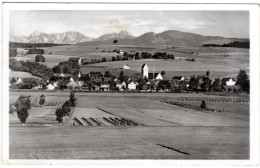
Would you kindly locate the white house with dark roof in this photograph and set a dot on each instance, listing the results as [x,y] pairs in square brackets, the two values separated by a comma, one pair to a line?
[19,80]
[132,85]
[50,87]
[228,81]
[126,66]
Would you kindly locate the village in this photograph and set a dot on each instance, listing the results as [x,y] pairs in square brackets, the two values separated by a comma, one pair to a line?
[147,82]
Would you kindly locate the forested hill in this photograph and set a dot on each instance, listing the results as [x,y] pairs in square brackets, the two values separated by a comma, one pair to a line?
[32,45]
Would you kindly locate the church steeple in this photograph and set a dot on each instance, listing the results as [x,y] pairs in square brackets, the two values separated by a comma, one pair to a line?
[144,71]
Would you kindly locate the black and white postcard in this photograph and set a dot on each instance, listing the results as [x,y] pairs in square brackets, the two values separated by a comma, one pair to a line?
[168,83]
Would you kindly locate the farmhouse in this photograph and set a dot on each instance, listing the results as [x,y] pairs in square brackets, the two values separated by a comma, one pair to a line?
[155,76]
[76,60]
[118,85]
[146,74]
[123,85]
[178,78]
[126,66]
[132,85]
[147,86]
[104,86]
[228,84]
[121,52]
[228,81]
[19,80]
[50,87]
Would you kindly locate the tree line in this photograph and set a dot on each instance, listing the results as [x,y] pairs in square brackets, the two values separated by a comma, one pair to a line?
[34,68]
[236,44]
[32,45]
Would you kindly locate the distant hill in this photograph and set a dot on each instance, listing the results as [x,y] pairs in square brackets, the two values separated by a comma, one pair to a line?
[70,37]
[171,37]
[121,35]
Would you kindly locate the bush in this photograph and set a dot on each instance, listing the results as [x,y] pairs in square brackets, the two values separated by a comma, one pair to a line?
[59,114]
[203,104]
[23,104]
[22,113]
[42,100]
[39,58]
[12,109]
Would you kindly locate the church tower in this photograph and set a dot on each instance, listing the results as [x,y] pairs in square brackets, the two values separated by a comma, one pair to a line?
[145,71]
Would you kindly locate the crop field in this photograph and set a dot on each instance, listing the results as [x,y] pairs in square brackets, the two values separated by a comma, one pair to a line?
[20,74]
[50,60]
[221,62]
[132,126]
[176,67]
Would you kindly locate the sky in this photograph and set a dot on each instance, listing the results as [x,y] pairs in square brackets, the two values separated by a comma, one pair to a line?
[96,23]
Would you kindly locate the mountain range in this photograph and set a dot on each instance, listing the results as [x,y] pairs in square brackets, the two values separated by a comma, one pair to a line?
[170,37]
[70,37]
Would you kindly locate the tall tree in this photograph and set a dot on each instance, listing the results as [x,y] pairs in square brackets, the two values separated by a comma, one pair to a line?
[73,99]
[217,85]
[242,80]
[206,85]
[194,83]
[23,104]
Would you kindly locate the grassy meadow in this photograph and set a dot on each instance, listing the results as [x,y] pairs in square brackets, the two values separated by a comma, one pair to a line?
[192,134]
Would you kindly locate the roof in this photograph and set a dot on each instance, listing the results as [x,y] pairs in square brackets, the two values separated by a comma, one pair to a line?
[226,79]
[133,82]
[61,74]
[104,83]
[74,59]
[177,77]
[143,65]
[152,75]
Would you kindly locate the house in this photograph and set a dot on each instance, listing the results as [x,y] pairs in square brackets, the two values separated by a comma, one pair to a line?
[118,85]
[132,85]
[19,80]
[37,87]
[76,60]
[96,88]
[178,78]
[116,80]
[121,52]
[56,84]
[72,85]
[155,76]
[126,66]
[63,84]
[228,84]
[50,87]
[228,81]
[147,86]
[104,86]
[71,79]
[124,85]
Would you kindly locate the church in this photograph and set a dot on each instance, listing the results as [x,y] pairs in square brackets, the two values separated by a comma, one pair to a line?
[151,76]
